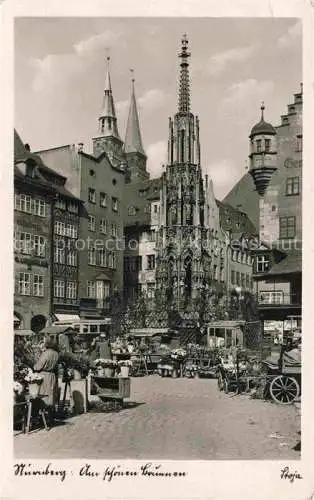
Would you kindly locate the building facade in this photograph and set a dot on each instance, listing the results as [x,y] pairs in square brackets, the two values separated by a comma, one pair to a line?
[277,269]
[33,206]
[98,180]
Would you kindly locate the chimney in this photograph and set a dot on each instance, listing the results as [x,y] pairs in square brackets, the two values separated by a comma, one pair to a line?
[206,180]
[80,147]
[27,147]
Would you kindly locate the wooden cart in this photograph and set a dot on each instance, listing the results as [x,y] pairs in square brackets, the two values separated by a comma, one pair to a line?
[111,390]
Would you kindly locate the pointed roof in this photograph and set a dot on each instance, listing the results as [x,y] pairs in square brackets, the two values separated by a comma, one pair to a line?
[133,138]
[184,81]
[108,112]
[262,127]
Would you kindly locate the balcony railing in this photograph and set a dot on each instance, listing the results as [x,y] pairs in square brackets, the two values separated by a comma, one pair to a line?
[277,299]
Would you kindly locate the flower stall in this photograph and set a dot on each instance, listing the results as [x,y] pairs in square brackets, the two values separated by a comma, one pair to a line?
[109,381]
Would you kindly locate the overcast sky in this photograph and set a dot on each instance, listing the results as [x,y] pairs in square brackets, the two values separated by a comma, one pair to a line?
[235,63]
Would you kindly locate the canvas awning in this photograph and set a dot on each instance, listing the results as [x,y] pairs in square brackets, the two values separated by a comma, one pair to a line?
[67,317]
[57,329]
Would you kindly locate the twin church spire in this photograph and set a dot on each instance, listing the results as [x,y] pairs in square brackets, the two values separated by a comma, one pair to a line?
[108,126]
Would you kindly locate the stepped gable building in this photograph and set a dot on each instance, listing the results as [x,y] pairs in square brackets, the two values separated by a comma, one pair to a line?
[46,271]
[277,262]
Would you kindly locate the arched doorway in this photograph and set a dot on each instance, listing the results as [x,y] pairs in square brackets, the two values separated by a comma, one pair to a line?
[38,322]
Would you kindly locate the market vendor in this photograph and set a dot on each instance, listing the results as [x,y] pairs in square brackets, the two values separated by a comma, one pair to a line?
[101,347]
[47,366]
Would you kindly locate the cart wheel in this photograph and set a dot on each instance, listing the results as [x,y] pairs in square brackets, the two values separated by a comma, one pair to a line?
[284,390]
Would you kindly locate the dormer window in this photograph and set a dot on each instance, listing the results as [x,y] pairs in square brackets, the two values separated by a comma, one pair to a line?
[258,145]
[267,145]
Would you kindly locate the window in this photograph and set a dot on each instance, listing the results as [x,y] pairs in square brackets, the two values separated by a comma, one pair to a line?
[299,144]
[92,172]
[237,278]
[91,289]
[258,145]
[151,235]
[267,145]
[148,209]
[71,289]
[115,204]
[112,261]
[292,186]
[24,284]
[91,195]
[155,209]
[58,288]
[38,285]
[114,229]
[39,208]
[142,192]
[242,280]
[102,258]
[92,257]
[103,200]
[286,227]
[23,203]
[59,228]
[150,290]
[72,258]
[23,243]
[73,207]
[91,222]
[59,254]
[103,226]
[233,281]
[114,181]
[150,262]
[262,263]
[273,208]
[71,231]
[299,163]
[61,204]
[271,297]
[39,246]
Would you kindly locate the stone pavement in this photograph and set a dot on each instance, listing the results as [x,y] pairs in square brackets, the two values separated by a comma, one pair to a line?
[173,419]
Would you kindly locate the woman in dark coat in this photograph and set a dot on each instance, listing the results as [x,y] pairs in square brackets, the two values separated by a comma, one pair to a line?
[47,366]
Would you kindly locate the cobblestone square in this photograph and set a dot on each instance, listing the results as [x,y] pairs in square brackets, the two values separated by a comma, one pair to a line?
[166,418]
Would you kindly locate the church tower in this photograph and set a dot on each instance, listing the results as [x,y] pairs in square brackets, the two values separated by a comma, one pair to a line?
[108,139]
[133,146]
[184,261]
